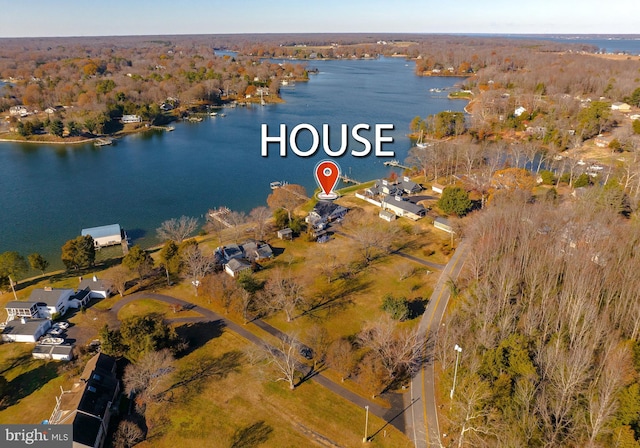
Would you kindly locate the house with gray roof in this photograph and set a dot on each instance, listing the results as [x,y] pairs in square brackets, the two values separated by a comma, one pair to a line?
[88,405]
[52,301]
[408,186]
[403,207]
[24,329]
[235,266]
[325,212]
[97,288]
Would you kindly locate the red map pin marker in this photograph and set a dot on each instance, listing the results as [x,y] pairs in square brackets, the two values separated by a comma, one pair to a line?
[327,173]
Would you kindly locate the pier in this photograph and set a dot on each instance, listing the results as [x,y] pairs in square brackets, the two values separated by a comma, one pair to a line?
[103,141]
[347,180]
[219,215]
[396,164]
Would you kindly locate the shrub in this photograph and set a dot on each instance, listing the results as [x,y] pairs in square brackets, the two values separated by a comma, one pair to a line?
[397,308]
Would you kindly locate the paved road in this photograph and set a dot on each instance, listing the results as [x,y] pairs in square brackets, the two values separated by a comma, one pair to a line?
[422,418]
[391,415]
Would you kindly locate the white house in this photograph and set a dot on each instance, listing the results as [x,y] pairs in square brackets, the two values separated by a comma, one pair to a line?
[387,215]
[52,301]
[25,330]
[622,107]
[18,111]
[519,111]
[437,188]
[97,288]
[131,118]
[104,235]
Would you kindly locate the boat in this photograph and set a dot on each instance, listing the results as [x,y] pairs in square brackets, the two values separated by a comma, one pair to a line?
[170,128]
[213,114]
[222,115]
[52,341]
[277,184]
[420,143]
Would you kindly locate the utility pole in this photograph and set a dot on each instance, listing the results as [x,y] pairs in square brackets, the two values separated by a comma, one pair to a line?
[366,424]
[458,350]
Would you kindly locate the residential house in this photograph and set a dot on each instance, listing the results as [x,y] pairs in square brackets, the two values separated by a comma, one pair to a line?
[131,119]
[408,186]
[325,212]
[235,266]
[231,251]
[402,207]
[622,107]
[52,301]
[96,288]
[25,330]
[18,111]
[53,109]
[603,141]
[17,309]
[254,251]
[105,235]
[90,402]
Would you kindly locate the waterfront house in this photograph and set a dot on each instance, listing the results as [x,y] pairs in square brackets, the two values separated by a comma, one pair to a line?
[408,186]
[88,405]
[131,119]
[105,235]
[235,266]
[254,251]
[96,288]
[25,330]
[325,212]
[52,301]
[402,207]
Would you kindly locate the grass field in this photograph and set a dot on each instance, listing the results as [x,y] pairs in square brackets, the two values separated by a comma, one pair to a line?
[237,404]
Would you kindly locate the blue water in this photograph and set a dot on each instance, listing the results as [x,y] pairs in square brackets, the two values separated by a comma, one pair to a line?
[49,193]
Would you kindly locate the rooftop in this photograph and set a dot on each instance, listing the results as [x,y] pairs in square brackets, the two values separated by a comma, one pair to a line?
[103,231]
[49,296]
[29,327]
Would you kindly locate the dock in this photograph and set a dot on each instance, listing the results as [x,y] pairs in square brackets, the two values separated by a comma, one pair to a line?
[347,180]
[396,164]
[219,215]
[103,141]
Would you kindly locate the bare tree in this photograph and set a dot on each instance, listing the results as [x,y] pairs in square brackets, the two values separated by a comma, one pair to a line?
[145,377]
[259,217]
[284,359]
[177,229]
[341,357]
[118,277]
[197,265]
[128,434]
[319,340]
[287,197]
[284,292]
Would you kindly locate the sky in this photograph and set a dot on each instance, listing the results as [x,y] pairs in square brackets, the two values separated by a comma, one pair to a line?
[49,18]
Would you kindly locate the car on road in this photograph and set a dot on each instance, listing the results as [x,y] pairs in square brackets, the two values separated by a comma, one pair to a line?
[306,352]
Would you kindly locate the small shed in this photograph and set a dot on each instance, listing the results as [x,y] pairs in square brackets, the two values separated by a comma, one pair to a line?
[443,224]
[285,234]
[105,235]
[387,215]
[55,352]
[437,188]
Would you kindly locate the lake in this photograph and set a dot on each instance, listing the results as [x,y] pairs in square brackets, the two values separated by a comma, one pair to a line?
[51,192]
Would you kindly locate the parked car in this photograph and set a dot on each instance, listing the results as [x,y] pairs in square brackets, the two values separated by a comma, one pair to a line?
[306,352]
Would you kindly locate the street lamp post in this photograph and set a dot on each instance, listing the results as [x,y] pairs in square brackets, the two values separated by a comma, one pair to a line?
[366,424]
[458,350]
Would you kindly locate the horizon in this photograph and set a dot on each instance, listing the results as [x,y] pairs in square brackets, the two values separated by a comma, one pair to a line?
[75,18]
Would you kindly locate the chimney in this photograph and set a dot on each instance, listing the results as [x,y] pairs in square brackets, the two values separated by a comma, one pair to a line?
[95,279]
[23,320]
